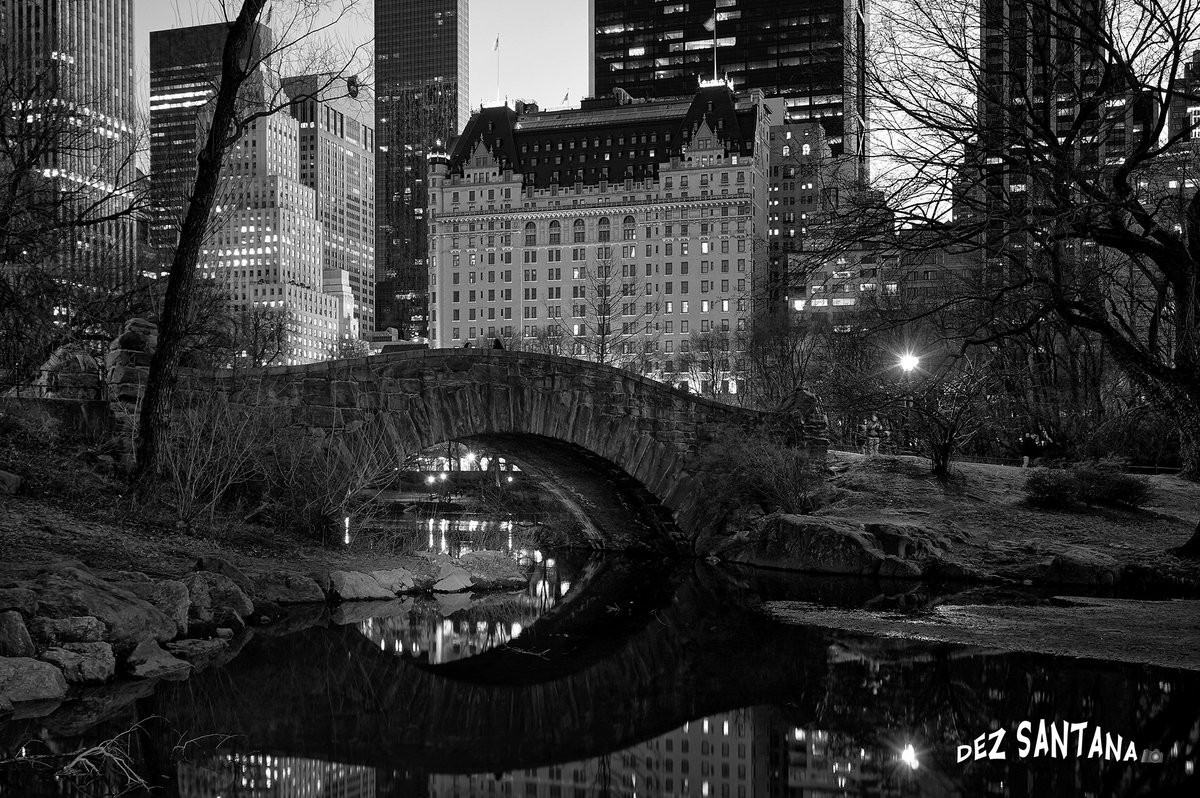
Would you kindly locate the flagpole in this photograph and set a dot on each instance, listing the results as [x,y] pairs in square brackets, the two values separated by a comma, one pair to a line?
[497,67]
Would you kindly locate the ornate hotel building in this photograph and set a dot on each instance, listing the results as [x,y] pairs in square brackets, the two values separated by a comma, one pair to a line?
[615,232]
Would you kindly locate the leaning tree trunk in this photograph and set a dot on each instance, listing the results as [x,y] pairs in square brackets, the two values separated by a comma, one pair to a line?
[160,384]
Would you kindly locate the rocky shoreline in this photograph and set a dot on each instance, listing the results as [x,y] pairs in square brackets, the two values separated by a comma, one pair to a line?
[67,633]
[895,550]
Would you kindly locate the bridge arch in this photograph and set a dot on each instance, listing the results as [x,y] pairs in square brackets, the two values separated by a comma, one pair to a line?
[617,445]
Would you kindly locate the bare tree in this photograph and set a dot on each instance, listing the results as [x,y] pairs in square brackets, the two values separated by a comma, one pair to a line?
[252,57]
[611,319]
[1037,133]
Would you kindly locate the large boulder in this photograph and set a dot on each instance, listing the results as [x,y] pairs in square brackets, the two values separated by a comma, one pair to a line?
[23,679]
[284,587]
[1082,566]
[215,601]
[83,662]
[806,543]
[149,661]
[356,586]
[73,592]
[222,566]
[493,570]
[395,580]
[52,632]
[169,595]
[14,637]
[452,578]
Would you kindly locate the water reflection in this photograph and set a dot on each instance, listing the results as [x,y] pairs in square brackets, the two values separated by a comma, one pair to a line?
[639,681]
[453,627]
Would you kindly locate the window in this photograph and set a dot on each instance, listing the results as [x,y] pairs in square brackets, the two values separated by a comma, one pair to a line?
[555,232]
[577,231]
[627,229]
[530,234]
[603,231]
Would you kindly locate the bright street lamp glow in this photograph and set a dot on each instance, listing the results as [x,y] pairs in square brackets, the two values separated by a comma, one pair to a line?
[909,757]
[429,480]
[909,362]
[470,457]
[443,476]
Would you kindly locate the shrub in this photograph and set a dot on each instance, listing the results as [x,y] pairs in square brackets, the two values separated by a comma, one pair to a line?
[774,475]
[1051,488]
[1101,482]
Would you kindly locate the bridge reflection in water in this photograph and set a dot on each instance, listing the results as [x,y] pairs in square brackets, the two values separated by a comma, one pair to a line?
[649,680]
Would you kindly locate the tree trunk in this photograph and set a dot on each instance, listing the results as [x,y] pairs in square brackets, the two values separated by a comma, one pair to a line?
[160,384]
[1189,447]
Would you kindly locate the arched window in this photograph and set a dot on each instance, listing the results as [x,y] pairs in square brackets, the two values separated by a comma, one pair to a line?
[627,229]
[530,234]
[577,230]
[555,232]
[603,234]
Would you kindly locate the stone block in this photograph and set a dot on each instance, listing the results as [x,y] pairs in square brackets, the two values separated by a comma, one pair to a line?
[14,637]
[395,580]
[52,632]
[83,662]
[24,679]
[149,661]
[356,586]
[21,599]
[215,600]
[282,587]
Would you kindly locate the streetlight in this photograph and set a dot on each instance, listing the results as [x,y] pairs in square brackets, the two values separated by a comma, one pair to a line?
[909,756]
[908,362]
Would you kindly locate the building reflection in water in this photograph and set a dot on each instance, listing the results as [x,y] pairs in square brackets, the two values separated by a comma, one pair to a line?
[456,626]
[262,776]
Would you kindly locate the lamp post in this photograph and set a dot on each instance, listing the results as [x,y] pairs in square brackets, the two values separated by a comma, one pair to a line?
[908,363]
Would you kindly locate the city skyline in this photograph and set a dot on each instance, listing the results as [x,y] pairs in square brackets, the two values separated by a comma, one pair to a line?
[524,50]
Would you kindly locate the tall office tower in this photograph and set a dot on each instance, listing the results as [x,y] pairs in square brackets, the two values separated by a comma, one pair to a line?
[185,72]
[632,226]
[337,160]
[421,98]
[809,52]
[74,63]
[264,245]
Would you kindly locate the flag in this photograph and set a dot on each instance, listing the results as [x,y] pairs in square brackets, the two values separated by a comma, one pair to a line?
[565,96]
[711,24]
[496,47]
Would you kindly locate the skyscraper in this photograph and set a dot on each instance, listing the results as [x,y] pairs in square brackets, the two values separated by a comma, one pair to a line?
[185,72]
[74,62]
[265,242]
[421,98]
[808,51]
[337,160]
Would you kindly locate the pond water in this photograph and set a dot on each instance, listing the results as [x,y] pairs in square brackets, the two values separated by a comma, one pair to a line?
[621,677]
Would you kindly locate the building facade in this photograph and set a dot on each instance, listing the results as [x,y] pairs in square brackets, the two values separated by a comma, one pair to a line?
[73,62]
[185,72]
[809,52]
[618,232]
[337,161]
[265,247]
[421,100]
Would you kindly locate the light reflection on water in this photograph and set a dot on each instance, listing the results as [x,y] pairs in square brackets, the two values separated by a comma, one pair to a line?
[454,627]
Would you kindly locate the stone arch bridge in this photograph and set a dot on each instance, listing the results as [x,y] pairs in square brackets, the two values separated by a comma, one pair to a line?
[634,459]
